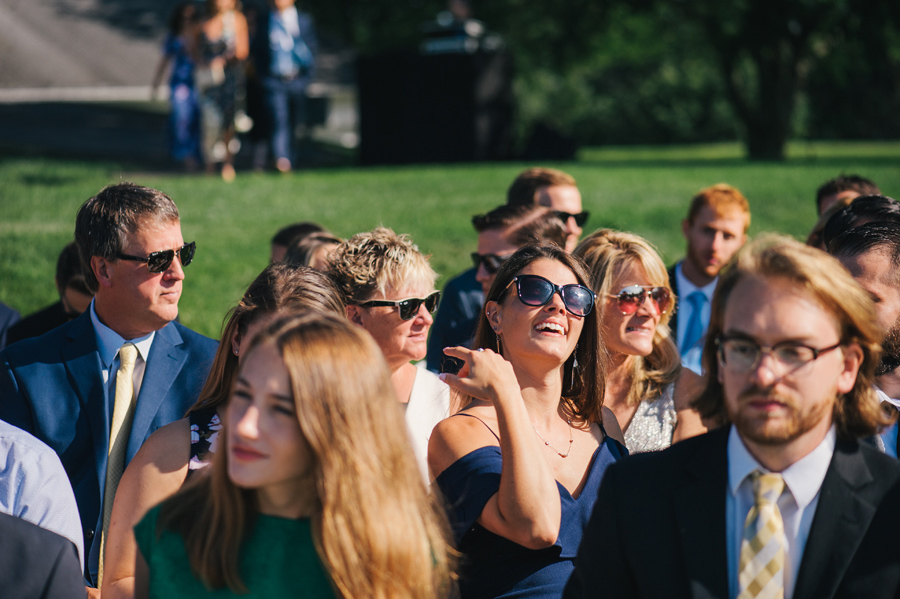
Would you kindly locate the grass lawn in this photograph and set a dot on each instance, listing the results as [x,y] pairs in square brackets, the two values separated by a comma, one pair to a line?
[642,189]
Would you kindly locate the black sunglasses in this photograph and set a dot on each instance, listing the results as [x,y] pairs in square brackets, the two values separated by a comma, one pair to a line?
[580,218]
[408,307]
[160,261]
[535,291]
[491,262]
[633,297]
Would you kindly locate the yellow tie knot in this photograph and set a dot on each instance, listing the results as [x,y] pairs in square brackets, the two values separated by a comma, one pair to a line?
[767,486]
[128,354]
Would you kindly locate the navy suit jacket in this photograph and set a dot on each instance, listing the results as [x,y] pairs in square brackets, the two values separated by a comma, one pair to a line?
[659,527]
[52,387]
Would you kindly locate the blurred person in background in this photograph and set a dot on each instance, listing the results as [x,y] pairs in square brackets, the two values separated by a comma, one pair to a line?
[555,190]
[179,52]
[389,287]
[224,45]
[74,298]
[312,250]
[313,494]
[8,317]
[284,55]
[843,187]
[176,451]
[715,229]
[285,236]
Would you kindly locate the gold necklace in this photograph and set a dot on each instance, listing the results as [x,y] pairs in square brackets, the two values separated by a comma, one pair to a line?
[547,443]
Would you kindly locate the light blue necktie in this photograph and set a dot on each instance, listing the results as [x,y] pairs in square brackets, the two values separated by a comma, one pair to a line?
[695,324]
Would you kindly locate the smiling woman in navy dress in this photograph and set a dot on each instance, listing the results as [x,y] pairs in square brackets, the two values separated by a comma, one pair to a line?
[520,465]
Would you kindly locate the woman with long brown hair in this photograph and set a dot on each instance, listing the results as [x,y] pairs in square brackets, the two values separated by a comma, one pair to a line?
[172,453]
[521,464]
[308,496]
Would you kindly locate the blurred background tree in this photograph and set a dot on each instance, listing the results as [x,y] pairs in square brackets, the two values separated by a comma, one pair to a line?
[675,71]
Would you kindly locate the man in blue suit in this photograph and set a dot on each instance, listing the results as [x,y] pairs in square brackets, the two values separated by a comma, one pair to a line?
[62,387]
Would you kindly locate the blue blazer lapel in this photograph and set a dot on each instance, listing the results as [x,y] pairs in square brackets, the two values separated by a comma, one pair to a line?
[700,514]
[82,362]
[847,504]
[166,359]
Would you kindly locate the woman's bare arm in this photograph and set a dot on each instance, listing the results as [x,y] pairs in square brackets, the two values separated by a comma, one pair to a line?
[526,509]
[155,473]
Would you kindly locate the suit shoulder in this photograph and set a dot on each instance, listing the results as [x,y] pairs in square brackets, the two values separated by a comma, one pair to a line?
[667,463]
[37,348]
[192,337]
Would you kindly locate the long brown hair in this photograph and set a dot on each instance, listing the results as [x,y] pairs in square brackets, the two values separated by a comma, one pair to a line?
[277,287]
[857,413]
[376,529]
[584,385]
[606,252]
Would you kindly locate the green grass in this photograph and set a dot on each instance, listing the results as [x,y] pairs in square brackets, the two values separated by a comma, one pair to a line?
[642,189]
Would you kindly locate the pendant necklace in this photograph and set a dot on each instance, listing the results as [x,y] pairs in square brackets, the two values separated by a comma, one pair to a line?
[547,443]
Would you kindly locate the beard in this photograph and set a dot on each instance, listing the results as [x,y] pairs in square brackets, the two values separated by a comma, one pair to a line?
[790,422]
[890,351]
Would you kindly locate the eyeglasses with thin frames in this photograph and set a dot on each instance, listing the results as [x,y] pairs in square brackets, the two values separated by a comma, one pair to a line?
[160,261]
[742,354]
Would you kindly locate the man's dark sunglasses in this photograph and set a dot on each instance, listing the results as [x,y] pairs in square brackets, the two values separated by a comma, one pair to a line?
[408,307]
[535,291]
[491,262]
[160,261]
[580,218]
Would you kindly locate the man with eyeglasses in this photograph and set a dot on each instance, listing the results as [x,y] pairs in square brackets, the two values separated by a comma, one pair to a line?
[715,228]
[95,388]
[501,232]
[871,252]
[802,509]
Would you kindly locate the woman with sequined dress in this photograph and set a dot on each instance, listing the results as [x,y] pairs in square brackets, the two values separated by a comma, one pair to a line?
[520,465]
[635,302]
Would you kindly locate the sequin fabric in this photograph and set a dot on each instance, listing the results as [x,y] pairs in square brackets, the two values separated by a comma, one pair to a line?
[653,424]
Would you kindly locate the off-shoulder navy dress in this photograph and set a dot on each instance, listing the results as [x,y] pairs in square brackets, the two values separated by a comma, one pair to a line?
[494,566]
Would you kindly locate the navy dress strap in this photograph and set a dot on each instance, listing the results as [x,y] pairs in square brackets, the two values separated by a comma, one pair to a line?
[481,421]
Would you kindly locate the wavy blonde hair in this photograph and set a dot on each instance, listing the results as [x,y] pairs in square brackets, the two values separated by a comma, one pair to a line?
[376,529]
[857,413]
[607,253]
[378,260]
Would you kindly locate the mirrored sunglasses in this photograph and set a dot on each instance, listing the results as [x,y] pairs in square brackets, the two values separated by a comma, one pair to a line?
[491,262]
[408,307]
[633,297]
[534,290]
[580,218]
[160,261]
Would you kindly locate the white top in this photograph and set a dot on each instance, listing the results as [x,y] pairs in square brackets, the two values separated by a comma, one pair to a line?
[653,424]
[429,403]
[798,501]
[34,486]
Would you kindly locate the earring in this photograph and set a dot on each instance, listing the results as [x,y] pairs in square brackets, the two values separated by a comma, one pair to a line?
[574,367]
[497,336]
[234,349]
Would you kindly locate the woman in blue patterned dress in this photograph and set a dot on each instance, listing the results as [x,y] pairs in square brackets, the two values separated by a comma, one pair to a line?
[184,116]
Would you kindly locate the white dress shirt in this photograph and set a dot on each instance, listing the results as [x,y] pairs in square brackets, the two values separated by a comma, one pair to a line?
[798,501]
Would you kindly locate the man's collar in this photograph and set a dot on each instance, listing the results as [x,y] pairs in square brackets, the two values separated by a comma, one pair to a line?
[804,477]
[685,287]
[109,341]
